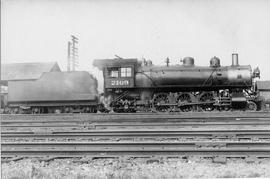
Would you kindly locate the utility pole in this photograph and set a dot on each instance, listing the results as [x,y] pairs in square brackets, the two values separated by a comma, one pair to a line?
[68,57]
[0,84]
[167,61]
[72,54]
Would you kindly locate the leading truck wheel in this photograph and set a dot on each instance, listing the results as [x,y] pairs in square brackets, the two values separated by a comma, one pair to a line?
[251,106]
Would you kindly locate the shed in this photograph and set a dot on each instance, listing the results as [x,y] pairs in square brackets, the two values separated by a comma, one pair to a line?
[264,89]
[263,85]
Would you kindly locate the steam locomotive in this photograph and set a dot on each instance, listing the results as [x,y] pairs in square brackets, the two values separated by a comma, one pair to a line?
[131,85]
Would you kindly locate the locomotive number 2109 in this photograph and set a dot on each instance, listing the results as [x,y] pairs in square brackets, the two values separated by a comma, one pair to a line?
[119,82]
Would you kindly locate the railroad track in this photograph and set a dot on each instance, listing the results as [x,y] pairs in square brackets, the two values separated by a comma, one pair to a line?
[174,136]
[233,121]
[169,135]
[51,150]
[141,117]
[175,121]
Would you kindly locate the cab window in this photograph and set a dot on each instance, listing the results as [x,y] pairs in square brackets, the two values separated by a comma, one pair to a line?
[126,72]
[113,72]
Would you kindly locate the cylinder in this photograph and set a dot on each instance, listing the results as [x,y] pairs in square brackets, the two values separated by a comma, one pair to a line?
[235,59]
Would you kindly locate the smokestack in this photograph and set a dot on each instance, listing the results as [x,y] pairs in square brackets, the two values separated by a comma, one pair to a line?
[235,59]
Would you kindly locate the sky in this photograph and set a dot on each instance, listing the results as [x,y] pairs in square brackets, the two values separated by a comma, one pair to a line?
[38,31]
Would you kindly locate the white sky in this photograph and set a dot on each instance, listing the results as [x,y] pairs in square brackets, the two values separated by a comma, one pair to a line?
[33,31]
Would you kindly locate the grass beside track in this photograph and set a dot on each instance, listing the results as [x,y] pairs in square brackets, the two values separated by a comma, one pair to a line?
[135,168]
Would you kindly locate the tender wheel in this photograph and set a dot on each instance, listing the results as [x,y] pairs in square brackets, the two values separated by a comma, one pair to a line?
[251,106]
[160,101]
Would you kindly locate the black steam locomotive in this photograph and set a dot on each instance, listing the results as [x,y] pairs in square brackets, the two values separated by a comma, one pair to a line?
[130,86]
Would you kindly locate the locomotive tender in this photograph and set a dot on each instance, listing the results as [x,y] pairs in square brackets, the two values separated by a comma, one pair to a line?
[54,92]
[131,85]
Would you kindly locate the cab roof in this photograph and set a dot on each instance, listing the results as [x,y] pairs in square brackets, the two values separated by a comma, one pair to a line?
[102,63]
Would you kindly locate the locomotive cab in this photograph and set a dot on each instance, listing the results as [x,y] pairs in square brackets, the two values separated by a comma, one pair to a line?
[119,76]
[119,81]
[117,73]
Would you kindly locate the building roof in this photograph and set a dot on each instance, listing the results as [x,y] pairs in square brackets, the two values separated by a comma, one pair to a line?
[263,85]
[26,71]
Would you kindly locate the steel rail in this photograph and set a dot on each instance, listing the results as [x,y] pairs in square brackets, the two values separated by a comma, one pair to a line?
[111,124]
[109,133]
[136,145]
[153,136]
[137,123]
[132,129]
[147,113]
[85,130]
[136,116]
[43,119]
[13,151]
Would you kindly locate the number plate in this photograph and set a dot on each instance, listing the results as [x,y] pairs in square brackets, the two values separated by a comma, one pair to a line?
[120,83]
